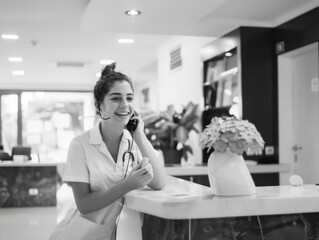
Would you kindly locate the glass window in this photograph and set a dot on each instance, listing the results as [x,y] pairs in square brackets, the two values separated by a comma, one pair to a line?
[9,121]
[51,119]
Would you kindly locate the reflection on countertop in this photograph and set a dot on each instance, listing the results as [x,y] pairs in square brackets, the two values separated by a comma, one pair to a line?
[201,169]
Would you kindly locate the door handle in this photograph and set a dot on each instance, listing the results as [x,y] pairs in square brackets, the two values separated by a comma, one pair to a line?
[296,148]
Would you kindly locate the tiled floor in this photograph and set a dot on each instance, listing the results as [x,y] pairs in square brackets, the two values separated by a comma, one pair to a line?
[27,223]
[33,223]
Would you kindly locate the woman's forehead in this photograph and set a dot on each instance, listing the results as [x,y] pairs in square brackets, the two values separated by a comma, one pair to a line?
[121,87]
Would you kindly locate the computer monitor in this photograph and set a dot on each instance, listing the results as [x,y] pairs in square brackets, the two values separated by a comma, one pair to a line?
[20,150]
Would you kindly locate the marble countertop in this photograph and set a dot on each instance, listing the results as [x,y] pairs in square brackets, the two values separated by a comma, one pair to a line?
[182,199]
[28,164]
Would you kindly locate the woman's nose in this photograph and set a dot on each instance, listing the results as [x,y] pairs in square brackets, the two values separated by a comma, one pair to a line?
[124,103]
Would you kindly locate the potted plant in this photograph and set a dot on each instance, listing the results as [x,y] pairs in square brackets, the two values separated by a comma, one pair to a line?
[169,130]
[230,138]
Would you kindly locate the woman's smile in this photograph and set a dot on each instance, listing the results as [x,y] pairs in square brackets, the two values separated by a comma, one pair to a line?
[122,114]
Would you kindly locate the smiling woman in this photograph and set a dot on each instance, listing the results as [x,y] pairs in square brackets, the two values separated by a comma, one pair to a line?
[106,162]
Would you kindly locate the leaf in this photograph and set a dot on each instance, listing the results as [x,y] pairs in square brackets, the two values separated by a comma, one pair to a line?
[189,114]
[186,148]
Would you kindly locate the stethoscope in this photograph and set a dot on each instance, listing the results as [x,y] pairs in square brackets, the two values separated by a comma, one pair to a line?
[129,156]
[130,160]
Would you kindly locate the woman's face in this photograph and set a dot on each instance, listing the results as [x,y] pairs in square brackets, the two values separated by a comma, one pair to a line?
[118,103]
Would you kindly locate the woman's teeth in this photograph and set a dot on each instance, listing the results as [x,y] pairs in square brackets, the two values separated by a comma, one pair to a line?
[122,114]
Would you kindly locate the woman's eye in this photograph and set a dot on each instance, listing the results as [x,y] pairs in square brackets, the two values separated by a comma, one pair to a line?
[119,99]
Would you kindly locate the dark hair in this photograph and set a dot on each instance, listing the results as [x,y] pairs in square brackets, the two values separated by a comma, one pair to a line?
[107,80]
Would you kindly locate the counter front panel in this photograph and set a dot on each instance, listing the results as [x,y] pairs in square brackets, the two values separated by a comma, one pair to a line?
[186,210]
[26,186]
[274,227]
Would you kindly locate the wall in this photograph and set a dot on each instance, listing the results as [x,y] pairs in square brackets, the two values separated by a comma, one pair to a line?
[183,84]
[147,81]
[259,85]
[300,31]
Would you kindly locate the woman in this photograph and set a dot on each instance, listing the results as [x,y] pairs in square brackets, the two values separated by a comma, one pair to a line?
[107,162]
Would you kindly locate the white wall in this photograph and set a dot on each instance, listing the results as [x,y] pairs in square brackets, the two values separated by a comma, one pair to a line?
[185,83]
[150,81]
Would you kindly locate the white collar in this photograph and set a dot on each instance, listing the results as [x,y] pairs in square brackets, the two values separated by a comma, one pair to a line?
[96,137]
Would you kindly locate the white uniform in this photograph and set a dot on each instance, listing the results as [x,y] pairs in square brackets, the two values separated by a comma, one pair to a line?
[90,161]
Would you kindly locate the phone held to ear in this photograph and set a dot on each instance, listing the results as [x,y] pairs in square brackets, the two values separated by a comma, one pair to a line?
[132,124]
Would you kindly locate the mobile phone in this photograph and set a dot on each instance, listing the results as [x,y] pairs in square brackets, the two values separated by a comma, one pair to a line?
[132,124]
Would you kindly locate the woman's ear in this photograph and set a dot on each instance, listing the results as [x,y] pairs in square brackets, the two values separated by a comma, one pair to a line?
[103,115]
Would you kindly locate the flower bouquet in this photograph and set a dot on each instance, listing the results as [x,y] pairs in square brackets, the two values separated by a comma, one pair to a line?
[237,135]
[227,171]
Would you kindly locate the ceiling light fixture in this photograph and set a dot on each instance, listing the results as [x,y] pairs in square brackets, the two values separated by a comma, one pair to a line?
[10,36]
[228,54]
[15,59]
[125,40]
[106,61]
[133,12]
[18,73]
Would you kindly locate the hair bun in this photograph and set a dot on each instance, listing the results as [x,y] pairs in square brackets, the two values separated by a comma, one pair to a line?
[108,69]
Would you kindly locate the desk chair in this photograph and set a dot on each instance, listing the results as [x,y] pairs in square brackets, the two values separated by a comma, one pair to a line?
[5,156]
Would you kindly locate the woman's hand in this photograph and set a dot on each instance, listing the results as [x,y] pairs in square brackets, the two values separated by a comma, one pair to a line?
[140,124]
[138,177]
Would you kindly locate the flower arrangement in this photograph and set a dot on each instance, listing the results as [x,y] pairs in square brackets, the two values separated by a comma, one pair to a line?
[237,135]
[170,129]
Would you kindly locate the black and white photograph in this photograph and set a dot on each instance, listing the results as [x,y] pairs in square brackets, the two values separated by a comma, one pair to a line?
[159,120]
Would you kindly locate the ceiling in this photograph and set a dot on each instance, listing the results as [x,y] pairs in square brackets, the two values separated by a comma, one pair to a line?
[86,31]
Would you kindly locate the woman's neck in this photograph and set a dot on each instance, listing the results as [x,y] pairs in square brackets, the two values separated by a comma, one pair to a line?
[110,132]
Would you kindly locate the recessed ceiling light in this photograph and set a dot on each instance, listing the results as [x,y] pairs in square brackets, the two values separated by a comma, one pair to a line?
[15,59]
[125,40]
[228,54]
[10,36]
[133,12]
[106,61]
[18,73]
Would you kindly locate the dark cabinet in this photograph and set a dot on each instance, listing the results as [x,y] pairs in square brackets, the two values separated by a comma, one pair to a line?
[257,85]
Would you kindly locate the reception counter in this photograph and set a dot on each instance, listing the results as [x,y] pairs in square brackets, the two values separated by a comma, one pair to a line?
[35,184]
[28,184]
[186,210]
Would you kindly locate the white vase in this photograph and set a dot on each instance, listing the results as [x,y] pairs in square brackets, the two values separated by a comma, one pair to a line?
[228,175]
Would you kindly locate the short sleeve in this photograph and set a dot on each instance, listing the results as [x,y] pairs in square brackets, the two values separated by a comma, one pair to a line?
[76,169]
